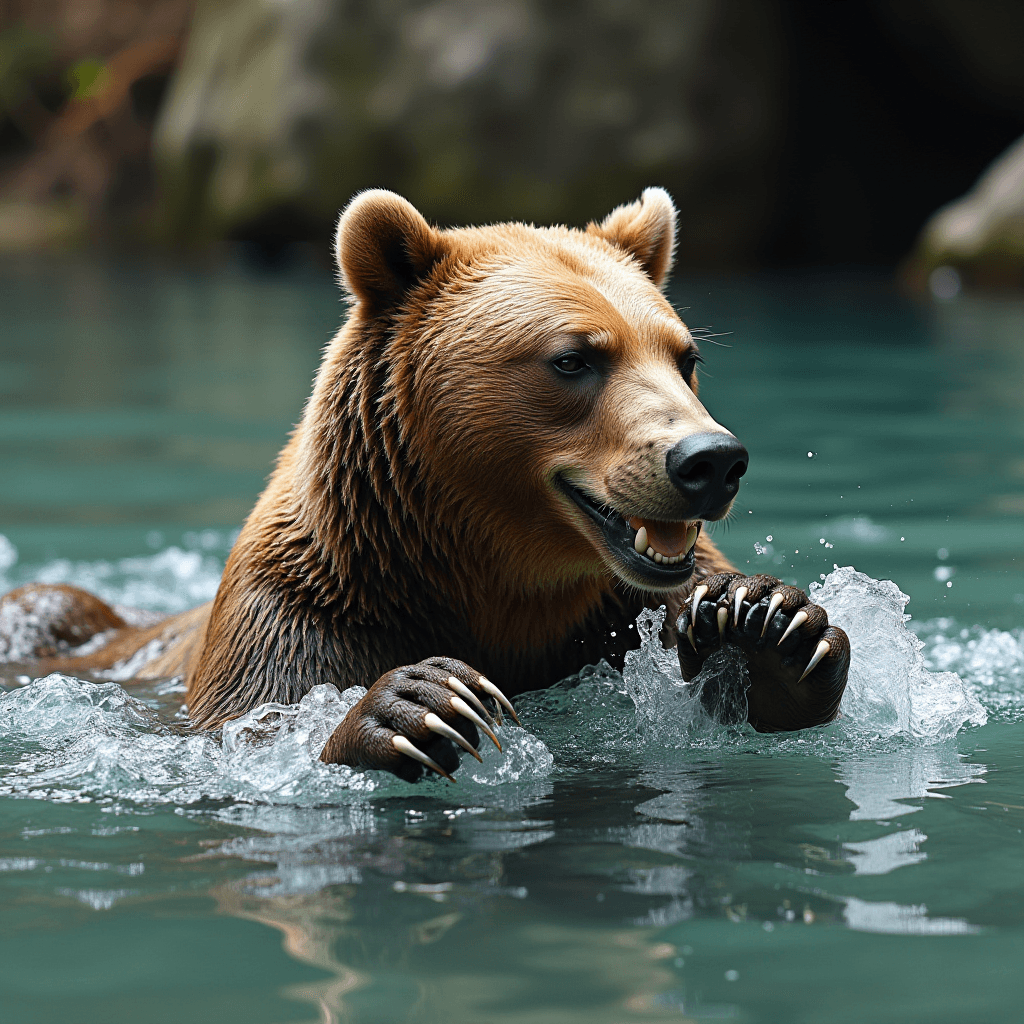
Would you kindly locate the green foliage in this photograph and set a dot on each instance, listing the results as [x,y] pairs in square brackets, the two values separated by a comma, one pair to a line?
[87,78]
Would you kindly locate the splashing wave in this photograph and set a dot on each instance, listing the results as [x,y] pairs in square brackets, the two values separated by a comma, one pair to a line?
[70,740]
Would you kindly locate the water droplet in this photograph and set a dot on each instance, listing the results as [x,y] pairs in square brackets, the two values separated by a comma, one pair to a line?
[732,975]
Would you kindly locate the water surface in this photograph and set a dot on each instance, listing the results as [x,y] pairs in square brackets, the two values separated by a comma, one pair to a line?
[626,861]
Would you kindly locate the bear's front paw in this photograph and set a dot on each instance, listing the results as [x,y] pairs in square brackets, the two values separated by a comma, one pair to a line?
[416,718]
[797,662]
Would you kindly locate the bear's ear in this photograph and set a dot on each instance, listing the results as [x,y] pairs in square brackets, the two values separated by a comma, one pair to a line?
[646,230]
[383,247]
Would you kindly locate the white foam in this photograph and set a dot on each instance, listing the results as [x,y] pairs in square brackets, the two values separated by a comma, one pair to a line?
[891,690]
[69,740]
[170,581]
[990,661]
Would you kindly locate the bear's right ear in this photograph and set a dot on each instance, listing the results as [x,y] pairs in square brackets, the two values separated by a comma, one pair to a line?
[383,247]
[646,230]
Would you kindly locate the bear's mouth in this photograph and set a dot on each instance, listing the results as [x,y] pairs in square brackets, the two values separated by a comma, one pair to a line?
[654,554]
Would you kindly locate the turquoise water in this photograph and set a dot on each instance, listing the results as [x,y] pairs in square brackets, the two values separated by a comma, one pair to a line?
[627,862]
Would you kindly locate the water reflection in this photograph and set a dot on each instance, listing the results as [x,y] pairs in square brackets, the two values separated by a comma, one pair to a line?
[887,853]
[876,781]
[894,919]
[419,910]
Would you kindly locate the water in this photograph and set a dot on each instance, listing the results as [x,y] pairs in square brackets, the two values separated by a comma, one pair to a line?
[629,860]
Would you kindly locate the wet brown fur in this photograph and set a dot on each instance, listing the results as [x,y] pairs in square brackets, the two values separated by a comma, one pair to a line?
[413,511]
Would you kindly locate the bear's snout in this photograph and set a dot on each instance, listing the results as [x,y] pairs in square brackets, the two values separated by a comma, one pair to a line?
[706,470]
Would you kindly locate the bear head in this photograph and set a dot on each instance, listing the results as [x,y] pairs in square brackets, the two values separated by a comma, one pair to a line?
[522,400]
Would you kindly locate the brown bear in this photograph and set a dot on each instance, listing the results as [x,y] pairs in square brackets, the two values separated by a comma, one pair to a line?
[503,461]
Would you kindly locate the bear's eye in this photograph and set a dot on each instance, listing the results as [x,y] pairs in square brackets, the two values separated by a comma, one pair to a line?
[570,364]
[689,365]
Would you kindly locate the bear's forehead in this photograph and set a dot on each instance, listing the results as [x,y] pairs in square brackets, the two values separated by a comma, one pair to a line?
[560,281]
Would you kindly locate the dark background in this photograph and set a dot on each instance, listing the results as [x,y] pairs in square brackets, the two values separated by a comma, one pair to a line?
[791,134]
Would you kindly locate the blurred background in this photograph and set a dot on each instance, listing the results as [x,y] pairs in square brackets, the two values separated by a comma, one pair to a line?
[790,133]
[850,180]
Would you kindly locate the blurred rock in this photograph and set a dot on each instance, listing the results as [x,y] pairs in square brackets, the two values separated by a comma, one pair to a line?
[980,237]
[476,111]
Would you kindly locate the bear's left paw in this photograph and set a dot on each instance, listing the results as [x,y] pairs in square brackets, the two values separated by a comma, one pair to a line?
[798,664]
[418,718]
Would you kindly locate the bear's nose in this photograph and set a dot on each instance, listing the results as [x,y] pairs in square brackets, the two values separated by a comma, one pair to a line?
[707,468]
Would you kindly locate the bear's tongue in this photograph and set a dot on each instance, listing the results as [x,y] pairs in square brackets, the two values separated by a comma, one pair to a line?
[668,538]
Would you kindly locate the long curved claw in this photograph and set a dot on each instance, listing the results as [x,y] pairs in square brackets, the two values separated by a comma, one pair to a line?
[405,746]
[797,621]
[467,694]
[819,652]
[773,606]
[741,593]
[435,724]
[698,596]
[467,712]
[689,636]
[723,619]
[490,688]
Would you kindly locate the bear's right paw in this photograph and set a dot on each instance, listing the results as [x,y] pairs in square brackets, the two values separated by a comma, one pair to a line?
[416,718]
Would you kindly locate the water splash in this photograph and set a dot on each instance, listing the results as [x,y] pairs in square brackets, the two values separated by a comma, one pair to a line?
[891,690]
[894,693]
[172,580]
[990,661]
[69,740]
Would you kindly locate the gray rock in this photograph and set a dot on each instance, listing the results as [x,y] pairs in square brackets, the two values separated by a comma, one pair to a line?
[493,109]
[982,233]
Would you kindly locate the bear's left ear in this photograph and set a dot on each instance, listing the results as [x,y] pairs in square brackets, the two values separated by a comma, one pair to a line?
[384,247]
[646,230]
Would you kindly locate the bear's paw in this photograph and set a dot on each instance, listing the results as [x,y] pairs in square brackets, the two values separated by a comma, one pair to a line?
[797,663]
[416,718]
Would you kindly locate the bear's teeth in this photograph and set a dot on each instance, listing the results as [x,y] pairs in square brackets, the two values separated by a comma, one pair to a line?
[659,557]
[691,539]
[641,540]
[650,552]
